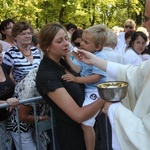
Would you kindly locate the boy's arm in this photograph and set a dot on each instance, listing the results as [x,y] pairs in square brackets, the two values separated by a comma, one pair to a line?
[74,67]
[83,80]
[88,79]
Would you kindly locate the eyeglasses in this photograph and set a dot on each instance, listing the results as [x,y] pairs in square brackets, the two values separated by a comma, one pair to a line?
[130,27]
[146,19]
[77,44]
[25,33]
[7,28]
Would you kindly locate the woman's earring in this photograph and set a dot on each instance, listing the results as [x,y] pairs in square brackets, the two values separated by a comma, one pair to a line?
[47,50]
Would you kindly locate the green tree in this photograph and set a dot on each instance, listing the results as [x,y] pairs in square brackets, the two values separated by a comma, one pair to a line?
[83,13]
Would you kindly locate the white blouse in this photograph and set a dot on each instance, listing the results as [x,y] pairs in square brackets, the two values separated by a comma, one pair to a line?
[132,58]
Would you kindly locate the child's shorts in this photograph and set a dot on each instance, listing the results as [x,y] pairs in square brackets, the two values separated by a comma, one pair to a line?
[90,97]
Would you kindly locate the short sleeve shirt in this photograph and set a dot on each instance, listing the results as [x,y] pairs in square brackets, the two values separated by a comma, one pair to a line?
[88,70]
[20,65]
[49,79]
[6,91]
[132,58]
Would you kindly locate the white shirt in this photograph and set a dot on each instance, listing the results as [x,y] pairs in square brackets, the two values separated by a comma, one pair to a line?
[5,46]
[121,45]
[112,55]
[132,58]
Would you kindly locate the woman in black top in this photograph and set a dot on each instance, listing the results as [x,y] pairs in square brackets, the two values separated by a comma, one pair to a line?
[65,98]
[6,91]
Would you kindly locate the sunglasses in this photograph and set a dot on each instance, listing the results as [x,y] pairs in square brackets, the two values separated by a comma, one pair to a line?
[77,44]
[7,28]
[146,19]
[130,27]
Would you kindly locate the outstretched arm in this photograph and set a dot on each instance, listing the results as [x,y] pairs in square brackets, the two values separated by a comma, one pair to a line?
[91,59]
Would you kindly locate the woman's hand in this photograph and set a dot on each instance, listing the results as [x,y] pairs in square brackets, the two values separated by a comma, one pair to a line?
[13,102]
[42,118]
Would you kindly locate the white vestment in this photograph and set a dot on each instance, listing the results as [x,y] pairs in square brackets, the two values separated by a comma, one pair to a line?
[132,125]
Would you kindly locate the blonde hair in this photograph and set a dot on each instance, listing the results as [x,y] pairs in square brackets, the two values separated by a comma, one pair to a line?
[116,30]
[130,22]
[36,32]
[144,30]
[98,33]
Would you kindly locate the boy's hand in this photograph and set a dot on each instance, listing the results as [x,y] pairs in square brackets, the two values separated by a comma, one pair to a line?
[69,77]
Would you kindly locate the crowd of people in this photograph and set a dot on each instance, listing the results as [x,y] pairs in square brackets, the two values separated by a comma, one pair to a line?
[64,64]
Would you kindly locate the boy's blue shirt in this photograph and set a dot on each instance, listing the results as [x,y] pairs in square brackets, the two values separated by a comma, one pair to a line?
[88,70]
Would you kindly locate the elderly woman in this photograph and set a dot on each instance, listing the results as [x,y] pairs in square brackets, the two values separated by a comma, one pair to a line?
[23,57]
[129,25]
[20,60]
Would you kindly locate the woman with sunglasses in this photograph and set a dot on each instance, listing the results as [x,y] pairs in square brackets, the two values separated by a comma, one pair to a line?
[76,38]
[6,30]
[129,25]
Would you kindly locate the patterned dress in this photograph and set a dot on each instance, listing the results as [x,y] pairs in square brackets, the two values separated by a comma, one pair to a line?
[26,89]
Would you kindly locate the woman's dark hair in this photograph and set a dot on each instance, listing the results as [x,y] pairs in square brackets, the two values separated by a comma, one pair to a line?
[76,34]
[70,25]
[129,34]
[134,37]
[34,40]
[3,26]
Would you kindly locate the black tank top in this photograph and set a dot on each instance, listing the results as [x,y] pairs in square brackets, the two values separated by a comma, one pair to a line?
[6,91]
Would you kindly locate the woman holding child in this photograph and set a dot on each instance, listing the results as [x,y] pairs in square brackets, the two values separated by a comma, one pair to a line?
[66,98]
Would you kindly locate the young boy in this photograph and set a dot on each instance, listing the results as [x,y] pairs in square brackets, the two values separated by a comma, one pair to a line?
[93,40]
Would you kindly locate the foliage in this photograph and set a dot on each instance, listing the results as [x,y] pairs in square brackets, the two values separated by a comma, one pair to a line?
[83,13]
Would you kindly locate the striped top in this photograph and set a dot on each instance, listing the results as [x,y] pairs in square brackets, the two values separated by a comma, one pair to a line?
[20,65]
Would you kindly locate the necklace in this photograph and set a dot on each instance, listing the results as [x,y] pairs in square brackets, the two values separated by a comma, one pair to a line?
[24,53]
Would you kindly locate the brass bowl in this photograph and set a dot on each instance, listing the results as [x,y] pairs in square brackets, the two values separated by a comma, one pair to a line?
[112,90]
